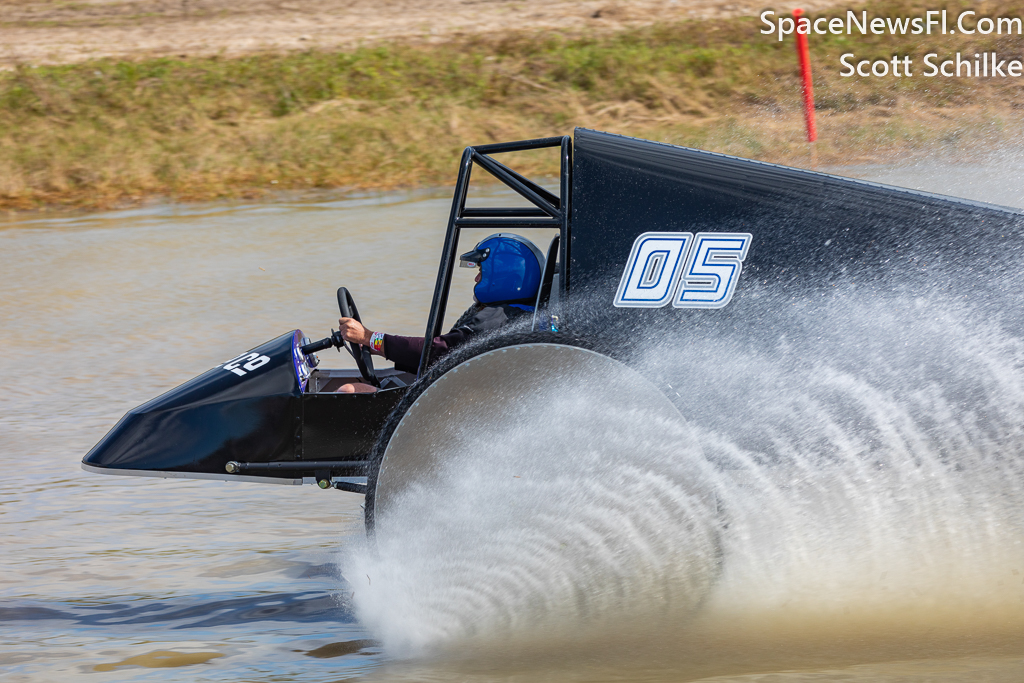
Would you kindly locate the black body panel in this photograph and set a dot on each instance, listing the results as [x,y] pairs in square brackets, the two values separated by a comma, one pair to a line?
[809,229]
[216,417]
[261,416]
[344,426]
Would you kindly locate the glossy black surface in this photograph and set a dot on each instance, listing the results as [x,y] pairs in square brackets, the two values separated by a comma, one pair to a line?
[260,416]
[216,417]
[810,229]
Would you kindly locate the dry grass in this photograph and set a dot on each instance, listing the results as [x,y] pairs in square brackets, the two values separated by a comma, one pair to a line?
[109,132]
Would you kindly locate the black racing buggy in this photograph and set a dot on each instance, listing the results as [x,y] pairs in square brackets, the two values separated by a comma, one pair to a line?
[645,237]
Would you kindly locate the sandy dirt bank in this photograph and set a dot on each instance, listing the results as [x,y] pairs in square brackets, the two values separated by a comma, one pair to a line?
[57,31]
[302,112]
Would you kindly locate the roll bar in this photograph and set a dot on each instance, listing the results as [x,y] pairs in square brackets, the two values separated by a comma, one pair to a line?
[547,211]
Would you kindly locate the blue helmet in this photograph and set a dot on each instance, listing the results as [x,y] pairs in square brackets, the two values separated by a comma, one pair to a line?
[510,268]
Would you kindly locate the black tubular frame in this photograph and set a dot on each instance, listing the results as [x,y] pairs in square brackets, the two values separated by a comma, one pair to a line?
[547,211]
[342,468]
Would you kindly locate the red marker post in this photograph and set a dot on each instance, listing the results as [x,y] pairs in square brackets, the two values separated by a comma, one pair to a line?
[805,74]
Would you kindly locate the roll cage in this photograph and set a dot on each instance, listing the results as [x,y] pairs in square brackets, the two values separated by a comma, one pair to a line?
[547,211]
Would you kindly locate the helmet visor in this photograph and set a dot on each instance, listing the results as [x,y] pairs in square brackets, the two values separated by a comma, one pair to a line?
[473,258]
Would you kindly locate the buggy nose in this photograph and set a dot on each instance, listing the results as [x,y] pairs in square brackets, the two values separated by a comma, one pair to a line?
[245,409]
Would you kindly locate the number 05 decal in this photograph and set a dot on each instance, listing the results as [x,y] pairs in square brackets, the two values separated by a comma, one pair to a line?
[692,271]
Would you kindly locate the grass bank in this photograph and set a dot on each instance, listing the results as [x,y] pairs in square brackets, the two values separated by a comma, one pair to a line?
[108,132]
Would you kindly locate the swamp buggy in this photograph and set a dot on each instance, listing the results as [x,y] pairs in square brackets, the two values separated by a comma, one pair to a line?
[646,237]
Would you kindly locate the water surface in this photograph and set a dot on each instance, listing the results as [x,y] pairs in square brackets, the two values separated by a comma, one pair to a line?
[125,578]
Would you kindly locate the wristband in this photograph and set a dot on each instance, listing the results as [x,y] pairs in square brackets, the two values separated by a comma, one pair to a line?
[377,342]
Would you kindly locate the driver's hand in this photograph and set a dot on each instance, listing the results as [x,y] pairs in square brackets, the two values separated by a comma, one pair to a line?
[352,330]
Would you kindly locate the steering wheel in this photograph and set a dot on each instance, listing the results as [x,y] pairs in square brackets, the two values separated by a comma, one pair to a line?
[364,359]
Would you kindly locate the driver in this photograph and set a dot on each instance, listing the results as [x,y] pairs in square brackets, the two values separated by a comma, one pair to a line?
[506,288]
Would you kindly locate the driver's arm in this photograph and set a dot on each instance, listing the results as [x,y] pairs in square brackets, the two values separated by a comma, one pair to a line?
[403,351]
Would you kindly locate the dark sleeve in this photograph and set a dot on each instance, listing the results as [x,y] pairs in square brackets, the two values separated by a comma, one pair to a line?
[405,352]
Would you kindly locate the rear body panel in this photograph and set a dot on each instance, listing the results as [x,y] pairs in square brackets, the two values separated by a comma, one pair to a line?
[809,229]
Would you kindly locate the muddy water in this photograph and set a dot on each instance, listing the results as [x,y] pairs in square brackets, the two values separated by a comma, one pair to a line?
[178,580]
[135,579]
